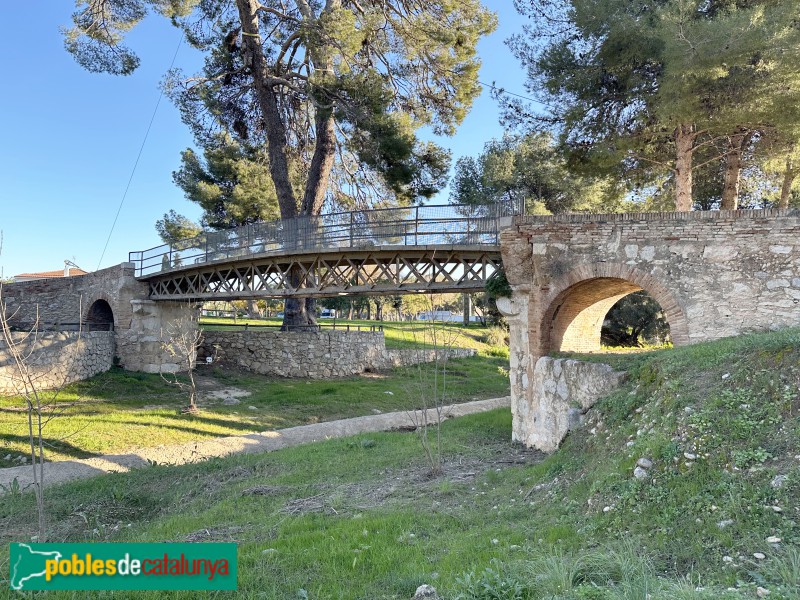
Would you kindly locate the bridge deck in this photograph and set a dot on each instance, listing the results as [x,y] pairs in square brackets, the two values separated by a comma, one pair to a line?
[325,273]
[452,248]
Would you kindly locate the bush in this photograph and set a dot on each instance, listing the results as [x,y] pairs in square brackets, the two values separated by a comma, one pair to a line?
[496,336]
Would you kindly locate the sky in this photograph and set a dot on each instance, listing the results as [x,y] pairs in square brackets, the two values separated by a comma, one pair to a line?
[70,139]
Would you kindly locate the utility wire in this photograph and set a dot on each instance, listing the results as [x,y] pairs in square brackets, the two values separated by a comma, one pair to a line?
[136,164]
[493,87]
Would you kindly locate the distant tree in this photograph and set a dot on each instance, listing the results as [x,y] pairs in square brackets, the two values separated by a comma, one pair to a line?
[639,90]
[231,183]
[634,321]
[339,87]
[529,169]
[174,227]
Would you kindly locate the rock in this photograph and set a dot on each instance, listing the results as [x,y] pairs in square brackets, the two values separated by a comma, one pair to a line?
[645,463]
[574,418]
[727,559]
[778,481]
[640,473]
[759,555]
[773,540]
[561,389]
[426,592]
[762,592]
[689,456]
[725,523]
[230,401]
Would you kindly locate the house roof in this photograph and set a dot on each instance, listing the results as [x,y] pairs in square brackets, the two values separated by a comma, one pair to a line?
[51,274]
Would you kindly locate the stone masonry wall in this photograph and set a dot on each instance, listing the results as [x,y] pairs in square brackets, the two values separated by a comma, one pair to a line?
[58,358]
[562,391]
[715,274]
[316,355]
[68,300]
[139,323]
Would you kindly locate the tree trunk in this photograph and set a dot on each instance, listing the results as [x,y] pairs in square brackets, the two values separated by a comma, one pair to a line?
[321,163]
[684,143]
[733,171]
[788,179]
[296,314]
[268,104]
[252,310]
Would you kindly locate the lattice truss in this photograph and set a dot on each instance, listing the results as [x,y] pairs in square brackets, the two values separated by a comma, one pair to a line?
[331,274]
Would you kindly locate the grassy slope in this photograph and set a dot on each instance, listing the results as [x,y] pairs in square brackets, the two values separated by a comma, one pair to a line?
[119,410]
[503,522]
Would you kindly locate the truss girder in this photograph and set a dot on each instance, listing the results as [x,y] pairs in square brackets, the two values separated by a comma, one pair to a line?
[374,271]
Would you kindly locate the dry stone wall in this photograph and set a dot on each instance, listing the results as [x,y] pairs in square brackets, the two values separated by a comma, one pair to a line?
[57,358]
[309,354]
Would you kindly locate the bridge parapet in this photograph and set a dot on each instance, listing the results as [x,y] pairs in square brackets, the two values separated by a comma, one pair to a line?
[411,226]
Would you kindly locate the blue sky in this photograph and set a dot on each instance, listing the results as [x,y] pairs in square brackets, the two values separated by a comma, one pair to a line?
[70,138]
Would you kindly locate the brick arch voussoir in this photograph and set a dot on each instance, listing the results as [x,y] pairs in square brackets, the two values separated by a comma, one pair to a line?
[669,302]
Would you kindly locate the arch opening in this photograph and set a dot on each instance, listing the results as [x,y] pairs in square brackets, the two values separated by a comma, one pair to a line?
[575,319]
[100,316]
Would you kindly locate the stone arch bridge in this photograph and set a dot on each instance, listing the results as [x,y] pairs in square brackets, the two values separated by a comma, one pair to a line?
[715,274]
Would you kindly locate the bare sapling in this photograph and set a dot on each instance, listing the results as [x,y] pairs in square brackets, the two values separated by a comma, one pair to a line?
[179,340]
[21,346]
[430,386]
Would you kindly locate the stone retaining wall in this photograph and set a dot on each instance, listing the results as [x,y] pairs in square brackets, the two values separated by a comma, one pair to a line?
[315,355]
[57,358]
[561,392]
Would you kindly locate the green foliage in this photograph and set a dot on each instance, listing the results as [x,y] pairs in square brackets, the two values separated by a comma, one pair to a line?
[174,227]
[619,79]
[493,583]
[334,91]
[529,170]
[496,336]
[636,320]
[497,285]
[352,518]
[231,183]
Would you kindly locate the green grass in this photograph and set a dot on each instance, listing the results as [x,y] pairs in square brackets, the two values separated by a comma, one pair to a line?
[410,334]
[120,410]
[360,518]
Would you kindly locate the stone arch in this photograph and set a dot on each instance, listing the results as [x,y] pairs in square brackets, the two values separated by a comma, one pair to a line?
[576,304]
[100,315]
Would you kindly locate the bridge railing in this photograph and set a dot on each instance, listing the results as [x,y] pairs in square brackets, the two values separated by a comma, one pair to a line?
[403,226]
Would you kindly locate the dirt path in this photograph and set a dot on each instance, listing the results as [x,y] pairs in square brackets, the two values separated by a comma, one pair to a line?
[267,441]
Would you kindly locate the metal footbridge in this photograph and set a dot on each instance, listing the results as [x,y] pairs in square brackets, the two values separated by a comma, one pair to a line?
[418,249]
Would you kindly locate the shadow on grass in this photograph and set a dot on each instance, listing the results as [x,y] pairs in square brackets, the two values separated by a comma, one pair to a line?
[52,443]
[254,426]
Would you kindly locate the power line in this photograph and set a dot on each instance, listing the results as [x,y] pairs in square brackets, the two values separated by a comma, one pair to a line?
[136,164]
[505,91]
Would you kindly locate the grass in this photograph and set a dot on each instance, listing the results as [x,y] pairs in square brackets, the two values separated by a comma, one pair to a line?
[120,410]
[361,518]
[405,334]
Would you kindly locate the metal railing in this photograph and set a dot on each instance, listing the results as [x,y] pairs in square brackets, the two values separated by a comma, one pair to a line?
[405,226]
[316,327]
